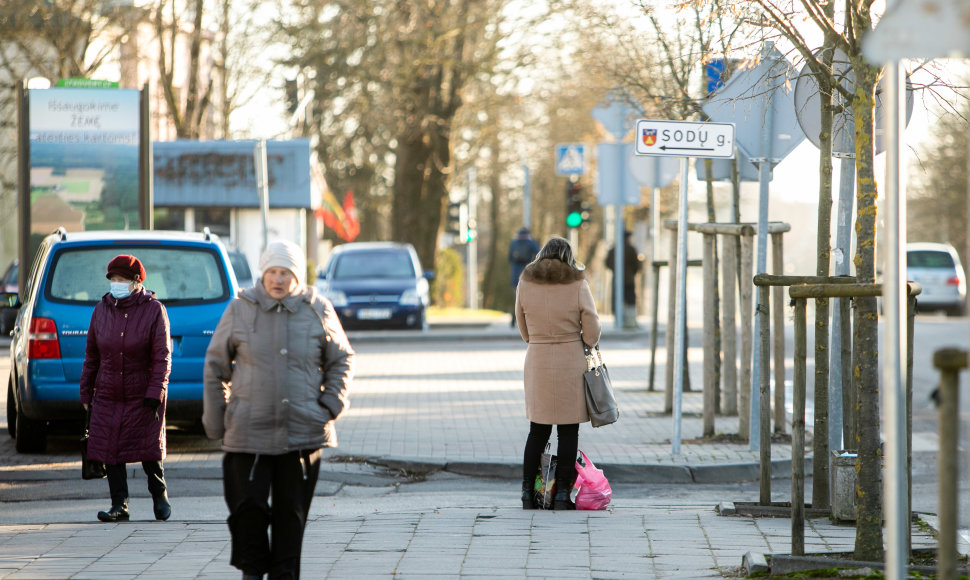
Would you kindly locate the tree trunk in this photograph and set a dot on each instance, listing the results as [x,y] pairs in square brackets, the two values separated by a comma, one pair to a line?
[868,544]
[419,193]
[495,292]
[716,370]
[820,467]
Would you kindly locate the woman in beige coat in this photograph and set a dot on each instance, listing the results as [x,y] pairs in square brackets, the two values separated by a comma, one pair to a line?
[555,314]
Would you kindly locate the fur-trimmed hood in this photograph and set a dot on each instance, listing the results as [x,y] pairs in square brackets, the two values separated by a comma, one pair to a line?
[552,271]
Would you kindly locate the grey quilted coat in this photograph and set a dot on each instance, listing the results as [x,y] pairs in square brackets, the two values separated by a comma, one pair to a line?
[277,373]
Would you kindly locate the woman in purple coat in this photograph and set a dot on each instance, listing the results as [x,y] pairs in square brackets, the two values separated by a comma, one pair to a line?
[124,383]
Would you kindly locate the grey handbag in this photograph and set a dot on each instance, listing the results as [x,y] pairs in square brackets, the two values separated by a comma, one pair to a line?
[600,402]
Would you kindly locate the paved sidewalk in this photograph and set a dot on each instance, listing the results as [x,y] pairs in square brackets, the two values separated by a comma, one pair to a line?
[636,541]
[446,401]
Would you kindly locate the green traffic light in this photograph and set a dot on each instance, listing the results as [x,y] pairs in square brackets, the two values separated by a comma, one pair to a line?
[574,219]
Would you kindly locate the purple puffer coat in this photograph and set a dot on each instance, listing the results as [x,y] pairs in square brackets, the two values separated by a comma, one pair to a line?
[128,358]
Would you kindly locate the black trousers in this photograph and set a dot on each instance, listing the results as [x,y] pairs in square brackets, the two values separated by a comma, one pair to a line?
[250,482]
[535,444]
[118,480]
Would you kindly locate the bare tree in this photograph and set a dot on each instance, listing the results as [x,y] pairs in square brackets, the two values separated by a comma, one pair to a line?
[187,106]
[54,39]
[388,80]
[244,67]
[789,20]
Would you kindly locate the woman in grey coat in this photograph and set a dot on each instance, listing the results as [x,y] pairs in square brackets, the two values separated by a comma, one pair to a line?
[277,372]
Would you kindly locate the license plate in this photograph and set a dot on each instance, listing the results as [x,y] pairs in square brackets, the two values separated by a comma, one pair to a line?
[374,314]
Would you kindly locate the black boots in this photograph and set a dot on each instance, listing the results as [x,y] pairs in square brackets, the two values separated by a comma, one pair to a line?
[561,500]
[117,513]
[528,496]
[163,509]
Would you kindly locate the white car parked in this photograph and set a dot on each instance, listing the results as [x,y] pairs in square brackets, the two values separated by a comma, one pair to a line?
[938,270]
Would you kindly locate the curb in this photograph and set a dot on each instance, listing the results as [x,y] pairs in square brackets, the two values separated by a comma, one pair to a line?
[469,333]
[616,472]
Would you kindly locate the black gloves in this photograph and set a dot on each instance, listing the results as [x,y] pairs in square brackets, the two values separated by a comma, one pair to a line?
[152,404]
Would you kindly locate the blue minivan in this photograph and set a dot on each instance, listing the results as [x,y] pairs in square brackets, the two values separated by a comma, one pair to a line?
[189,272]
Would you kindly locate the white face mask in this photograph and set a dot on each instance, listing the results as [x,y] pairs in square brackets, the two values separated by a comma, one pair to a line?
[120,289]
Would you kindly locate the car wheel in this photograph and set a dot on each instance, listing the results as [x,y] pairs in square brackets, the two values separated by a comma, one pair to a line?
[11,410]
[955,311]
[31,435]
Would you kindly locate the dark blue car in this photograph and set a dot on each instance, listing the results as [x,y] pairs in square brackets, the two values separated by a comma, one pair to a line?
[189,273]
[377,285]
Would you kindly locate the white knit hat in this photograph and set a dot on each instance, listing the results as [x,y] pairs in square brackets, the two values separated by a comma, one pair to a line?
[284,254]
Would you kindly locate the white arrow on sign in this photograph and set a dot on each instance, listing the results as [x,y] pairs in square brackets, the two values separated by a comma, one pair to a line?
[685,139]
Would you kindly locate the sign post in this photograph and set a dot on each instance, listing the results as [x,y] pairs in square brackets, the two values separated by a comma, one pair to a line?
[682,139]
[615,114]
[767,131]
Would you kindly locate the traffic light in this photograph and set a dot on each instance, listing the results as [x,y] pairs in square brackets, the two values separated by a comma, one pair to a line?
[456,221]
[576,211]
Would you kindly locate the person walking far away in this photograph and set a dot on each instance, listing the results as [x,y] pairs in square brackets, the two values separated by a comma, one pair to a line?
[555,314]
[522,250]
[124,382]
[277,374]
[632,264]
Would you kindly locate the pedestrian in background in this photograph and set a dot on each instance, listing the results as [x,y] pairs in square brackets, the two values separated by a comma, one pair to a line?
[632,264]
[522,250]
[124,381]
[555,315]
[277,372]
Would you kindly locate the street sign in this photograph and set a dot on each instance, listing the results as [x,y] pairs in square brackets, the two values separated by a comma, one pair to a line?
[653,171]
[920,29]
[723,169]
[809,115]
[615,180]
[616,114]
[570,159]
[685,139]
[744,100]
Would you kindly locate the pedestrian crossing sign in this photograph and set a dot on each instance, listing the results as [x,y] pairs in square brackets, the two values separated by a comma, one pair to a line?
[570,159]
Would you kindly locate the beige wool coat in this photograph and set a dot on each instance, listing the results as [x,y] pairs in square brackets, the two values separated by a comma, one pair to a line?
[552,302]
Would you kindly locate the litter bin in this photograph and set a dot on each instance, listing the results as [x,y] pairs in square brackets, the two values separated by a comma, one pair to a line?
[843,485]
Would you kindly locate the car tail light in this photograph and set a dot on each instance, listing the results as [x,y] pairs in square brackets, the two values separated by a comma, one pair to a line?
[953,281]
[42,340]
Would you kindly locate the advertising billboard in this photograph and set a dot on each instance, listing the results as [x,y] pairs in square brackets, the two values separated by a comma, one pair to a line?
[83,160]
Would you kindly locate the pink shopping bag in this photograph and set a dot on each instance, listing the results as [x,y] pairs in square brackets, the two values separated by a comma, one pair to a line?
[591,490]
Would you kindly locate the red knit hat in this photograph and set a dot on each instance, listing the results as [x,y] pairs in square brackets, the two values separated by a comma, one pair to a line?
[126,266]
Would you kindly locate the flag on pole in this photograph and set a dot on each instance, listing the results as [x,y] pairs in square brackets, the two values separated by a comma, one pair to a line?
[342,219]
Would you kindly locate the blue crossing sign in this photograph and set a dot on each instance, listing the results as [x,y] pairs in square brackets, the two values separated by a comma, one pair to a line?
[570,159]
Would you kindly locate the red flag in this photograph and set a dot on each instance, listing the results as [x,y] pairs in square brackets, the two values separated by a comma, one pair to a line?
[332,214]
[351,224]
[342,220]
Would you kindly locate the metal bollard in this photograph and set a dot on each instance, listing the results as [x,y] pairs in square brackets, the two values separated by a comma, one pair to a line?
[950,361]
